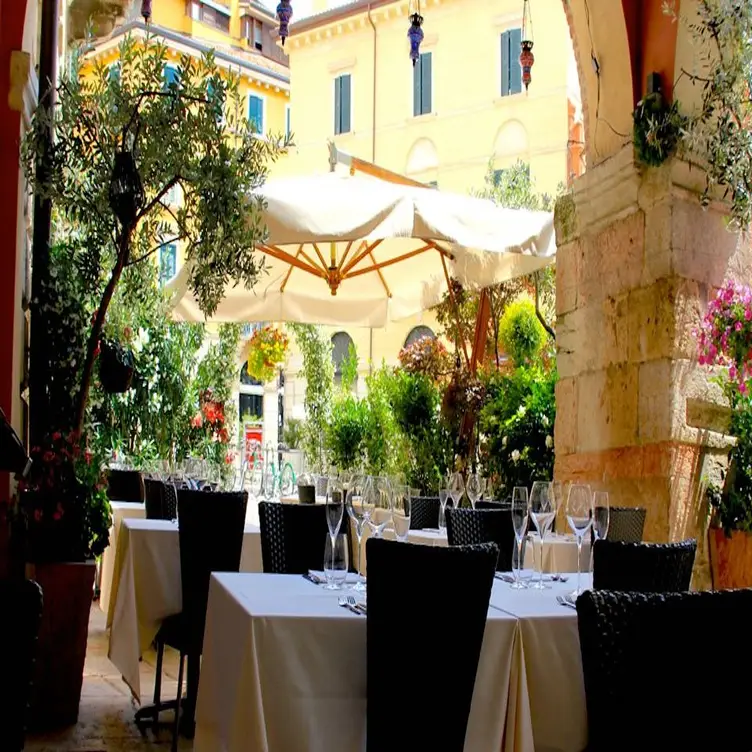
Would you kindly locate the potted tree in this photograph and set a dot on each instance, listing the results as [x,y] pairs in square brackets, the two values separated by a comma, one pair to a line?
[137,164]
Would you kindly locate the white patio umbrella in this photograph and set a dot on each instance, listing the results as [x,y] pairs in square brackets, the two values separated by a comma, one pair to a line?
[354,250]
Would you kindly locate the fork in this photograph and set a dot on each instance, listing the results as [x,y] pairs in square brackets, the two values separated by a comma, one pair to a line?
[562,601]
[344,601]
[360,607]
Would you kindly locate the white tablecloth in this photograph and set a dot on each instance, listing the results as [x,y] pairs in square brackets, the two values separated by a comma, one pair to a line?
[147,573]
[550,713]
[284,670]
[559,553]
[120,511]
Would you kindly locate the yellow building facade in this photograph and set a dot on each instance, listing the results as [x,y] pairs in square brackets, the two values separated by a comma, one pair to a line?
[462,107]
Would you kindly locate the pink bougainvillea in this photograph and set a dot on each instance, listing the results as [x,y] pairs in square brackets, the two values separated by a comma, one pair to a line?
[725,334]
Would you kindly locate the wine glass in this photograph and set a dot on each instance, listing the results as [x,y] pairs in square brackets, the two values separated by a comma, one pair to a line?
[580,518]
[542,512]
[473,488]
[520,517]
[601,519]
[379,496]
[443,498]
[335,561]
[359,511]
[456,488]
[401,513]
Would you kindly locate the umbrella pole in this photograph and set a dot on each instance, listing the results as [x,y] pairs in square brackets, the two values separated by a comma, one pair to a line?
[453,300]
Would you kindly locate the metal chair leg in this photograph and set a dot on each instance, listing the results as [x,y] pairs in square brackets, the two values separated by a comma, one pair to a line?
[158,687]
[176,727]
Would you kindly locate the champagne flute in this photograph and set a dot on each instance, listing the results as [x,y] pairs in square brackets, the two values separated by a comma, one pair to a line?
[520,517]
[580,518]
[456,486]
[542,512]
[443,498]
[401,513]
[601,519]
[473,488]
[359,512]
[335,508]
[381,500]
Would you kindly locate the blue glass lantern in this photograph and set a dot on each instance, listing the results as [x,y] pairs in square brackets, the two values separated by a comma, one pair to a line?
[415,34]
[284,14]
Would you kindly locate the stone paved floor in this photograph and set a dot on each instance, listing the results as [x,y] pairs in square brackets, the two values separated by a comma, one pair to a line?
[105,722]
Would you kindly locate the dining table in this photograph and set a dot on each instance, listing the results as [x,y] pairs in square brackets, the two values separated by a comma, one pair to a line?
[284,668]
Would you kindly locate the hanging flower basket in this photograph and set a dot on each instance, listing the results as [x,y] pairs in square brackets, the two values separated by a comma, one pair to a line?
[116,367]
[267,350]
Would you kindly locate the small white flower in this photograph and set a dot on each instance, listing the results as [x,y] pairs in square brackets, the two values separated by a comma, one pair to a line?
[521,410]
[515,456]
[504,442]
[544,420]
[549,442]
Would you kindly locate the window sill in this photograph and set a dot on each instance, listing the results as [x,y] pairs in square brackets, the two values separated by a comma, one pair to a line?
[510,98]
[424,116]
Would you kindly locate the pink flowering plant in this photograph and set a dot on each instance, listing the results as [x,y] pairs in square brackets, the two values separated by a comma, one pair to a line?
[725,335]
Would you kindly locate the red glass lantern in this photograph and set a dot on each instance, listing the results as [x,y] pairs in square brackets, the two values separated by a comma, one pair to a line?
[526,55]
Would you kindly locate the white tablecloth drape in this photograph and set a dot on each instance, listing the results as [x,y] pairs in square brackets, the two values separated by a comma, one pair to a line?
[284,668]
[147,572]
[120,511]
[559,553]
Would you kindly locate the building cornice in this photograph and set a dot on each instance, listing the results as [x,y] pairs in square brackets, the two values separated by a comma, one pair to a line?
[185,44]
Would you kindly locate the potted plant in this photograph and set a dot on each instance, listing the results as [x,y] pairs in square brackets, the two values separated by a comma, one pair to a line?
[62,525]
[266,353]
[122,144]
[725,340]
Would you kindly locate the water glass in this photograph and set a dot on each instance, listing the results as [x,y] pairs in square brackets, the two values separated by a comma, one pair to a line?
[580,518]
[542,512]
[335,561]
[335,507]
[359,511]
[380,497]
[520,517]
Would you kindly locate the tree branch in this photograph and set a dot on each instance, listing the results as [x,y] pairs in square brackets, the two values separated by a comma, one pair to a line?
[154,250]
[538,313]
[157,199]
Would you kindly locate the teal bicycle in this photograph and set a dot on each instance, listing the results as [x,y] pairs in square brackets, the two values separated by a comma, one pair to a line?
[269,478]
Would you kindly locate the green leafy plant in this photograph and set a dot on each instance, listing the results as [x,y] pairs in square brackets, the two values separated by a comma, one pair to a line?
[122,144]
[385,445]
[267,350]
[346,432]
[293,433]
[658,129]
[318,371]
[428,356]
[520,332]
[349,369]
[517,424]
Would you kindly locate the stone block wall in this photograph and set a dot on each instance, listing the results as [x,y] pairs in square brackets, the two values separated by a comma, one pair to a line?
[637,260]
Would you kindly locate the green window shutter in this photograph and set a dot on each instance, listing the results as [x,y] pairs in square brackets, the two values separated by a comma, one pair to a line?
[505,64]
[425,85]
[515,78]
[345,104]
[417,81]
[256,112]
[170,76]
[338,105]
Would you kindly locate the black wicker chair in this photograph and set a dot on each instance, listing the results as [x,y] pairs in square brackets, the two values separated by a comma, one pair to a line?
[424,512]
[643,567]
[293,537]
[211,540]
[21,607]
[161,500]
[647,674]
[125,485]
[491,504]
[468,527]
[454,595]
[626,524]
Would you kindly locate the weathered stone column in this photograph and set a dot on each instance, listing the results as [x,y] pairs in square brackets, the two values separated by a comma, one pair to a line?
[637,260]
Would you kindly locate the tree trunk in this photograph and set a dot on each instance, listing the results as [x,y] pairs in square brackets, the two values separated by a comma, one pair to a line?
[538,313]
[97,325]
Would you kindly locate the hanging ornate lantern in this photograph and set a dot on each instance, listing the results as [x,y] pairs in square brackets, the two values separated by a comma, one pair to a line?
[146,10]
[284,14]
[126,190]
[526,55]
[415,33]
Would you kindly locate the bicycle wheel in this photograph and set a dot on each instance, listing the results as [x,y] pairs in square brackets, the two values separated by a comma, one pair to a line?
[287,480]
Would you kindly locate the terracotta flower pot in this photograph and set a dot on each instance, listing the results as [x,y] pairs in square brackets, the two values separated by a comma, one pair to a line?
[730,559]
[58,676]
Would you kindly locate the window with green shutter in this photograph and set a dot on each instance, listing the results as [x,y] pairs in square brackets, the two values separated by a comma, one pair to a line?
[342,104]
[168,262]
[422,79]
[256,112]
[170,76]
[511,71]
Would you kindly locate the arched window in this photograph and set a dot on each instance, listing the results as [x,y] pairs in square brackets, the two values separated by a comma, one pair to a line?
[418,332]
[341,344]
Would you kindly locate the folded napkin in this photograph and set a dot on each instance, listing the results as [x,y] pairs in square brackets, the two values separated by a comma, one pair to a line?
[319,578]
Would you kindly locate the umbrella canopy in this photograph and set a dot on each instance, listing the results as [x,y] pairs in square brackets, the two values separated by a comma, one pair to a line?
[353,250]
